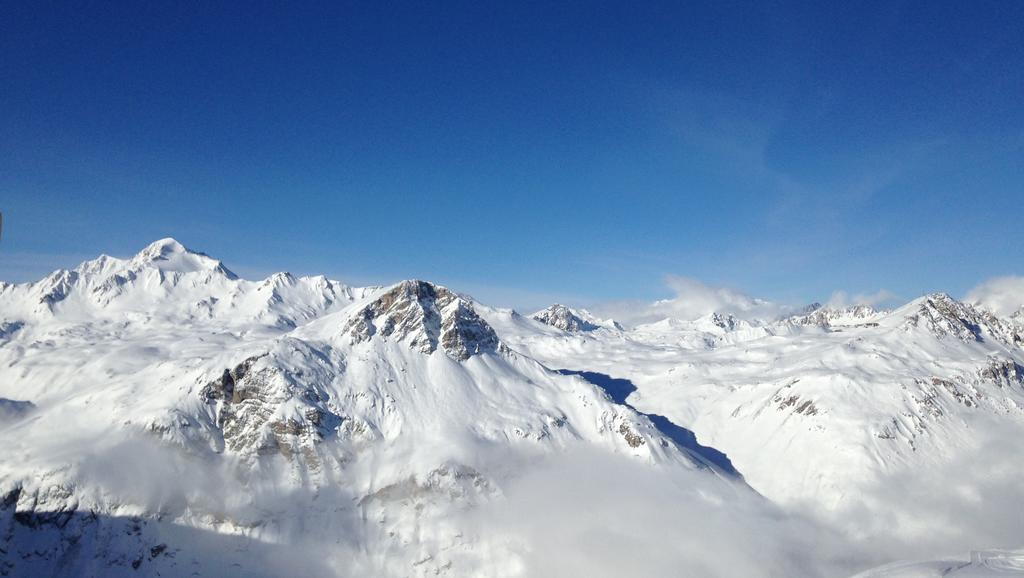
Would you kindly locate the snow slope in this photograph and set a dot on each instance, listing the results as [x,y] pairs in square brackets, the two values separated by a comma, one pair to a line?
[982,564]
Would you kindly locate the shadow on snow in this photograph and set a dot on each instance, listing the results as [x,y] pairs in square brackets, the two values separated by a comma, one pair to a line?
[620,389]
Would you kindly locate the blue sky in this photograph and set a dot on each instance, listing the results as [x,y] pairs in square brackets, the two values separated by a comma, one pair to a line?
[524,153]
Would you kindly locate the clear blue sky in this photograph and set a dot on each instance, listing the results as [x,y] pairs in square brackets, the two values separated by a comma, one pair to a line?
[524,151]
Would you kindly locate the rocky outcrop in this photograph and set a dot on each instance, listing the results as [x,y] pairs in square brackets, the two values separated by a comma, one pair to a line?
[264,409]
[1004,373]
[829,316]
[825,317]
[425,317]
[223,388]
[564,318]
[726,322]
[944,317]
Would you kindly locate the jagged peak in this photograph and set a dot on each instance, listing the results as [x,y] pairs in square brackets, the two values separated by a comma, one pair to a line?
[726,321]
[425,316]
[942,304]
[105,276]
[943,315]
[801,311]
[280,279]
[827,316]
[939,296]
[565,318]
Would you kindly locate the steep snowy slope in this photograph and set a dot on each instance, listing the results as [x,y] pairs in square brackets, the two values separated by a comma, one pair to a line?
[167,410]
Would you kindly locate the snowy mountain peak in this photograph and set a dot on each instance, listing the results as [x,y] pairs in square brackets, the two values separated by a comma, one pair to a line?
[835,316]
[171,256]
[945,316]
[564,318]
[727,321]
[164,247]
[424,316]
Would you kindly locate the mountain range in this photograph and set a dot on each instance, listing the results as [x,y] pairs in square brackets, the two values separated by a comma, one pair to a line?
[161,416]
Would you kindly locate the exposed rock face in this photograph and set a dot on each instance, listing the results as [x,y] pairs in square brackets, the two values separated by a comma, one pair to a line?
[424,316]
[268,410]
[1004,373]
[805,407]
[54,504]
[224,388]
[632,438]
[726,322]
[563,318]
[964,394]
[829,316]
[945,316]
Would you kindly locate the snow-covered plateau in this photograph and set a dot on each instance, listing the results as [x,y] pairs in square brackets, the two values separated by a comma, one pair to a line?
[161,416]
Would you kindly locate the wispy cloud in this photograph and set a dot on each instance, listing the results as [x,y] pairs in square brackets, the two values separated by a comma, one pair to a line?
[522,299]
[692,299]
[1001,295]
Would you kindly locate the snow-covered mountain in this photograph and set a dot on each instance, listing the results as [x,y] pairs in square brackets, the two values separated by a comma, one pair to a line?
[161,415]
[167,283]
[573,320]
[831,316]
[160,393]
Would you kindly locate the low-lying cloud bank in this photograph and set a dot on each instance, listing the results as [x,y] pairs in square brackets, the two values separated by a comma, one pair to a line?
[591,514]
[694,299]
[584,512]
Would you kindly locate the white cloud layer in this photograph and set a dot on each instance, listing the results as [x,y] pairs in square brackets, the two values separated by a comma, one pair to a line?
[693,299]
[1000,295]
[593,514]
[841,299]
